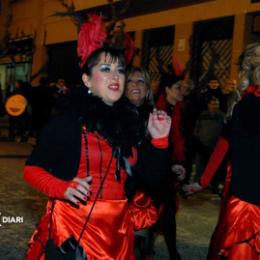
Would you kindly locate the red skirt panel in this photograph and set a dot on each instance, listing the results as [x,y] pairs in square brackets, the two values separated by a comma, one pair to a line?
[109,233]
[243,230]
[237,236]
[143,212]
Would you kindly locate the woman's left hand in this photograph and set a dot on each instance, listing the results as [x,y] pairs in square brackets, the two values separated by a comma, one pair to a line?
[159,124]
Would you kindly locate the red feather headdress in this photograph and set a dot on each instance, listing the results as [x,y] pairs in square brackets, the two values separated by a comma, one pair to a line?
[93,35]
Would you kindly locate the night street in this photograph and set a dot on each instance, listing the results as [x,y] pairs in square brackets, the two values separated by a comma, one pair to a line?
[20,203]
[184,74]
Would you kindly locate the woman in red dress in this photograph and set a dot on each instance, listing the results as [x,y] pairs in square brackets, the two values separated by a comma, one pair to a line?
[237,234]
[83,160]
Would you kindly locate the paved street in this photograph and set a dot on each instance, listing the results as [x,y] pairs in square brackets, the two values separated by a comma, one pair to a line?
[195,220]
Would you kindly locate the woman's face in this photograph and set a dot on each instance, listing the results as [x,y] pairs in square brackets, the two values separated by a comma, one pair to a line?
[106,80]
[136,89]
[173,94]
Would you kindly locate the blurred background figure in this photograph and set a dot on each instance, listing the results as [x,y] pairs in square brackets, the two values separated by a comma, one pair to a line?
[172,101]
[187,86]
[212,89]
[19,125]
[207,131]
[61,96]
[2,109]
[42,102]
[138,91]
[140,94]
[190,114]
[231,96]
[236,235]
[155,86]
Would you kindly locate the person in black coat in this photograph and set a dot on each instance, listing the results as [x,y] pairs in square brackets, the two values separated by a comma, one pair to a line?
[139,93]
[86,159]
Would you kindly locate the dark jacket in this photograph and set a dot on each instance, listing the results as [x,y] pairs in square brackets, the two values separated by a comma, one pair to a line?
[245,149]
[209,127]
[59,147]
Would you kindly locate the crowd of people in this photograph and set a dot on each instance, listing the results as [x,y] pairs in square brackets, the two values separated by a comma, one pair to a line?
[42,102]
[111,156]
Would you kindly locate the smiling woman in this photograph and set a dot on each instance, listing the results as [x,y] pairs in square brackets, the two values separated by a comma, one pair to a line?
[138,86]
[86,162]
[107,77]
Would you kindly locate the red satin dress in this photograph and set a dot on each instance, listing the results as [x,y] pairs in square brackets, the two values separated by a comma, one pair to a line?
[241,231]
[110,230]
[176,135]
[237,234]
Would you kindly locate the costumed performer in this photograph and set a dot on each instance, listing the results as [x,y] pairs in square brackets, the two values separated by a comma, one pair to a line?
[237,234]
[83,160]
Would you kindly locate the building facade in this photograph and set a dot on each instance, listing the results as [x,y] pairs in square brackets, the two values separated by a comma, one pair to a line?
[38,37]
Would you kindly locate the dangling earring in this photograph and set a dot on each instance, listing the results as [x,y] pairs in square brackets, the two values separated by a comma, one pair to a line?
[89,91]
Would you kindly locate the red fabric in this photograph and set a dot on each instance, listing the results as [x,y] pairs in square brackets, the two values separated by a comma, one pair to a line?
[253,90]
[109,237]
[160,143]
[217,237]
[214,162]
[55,187]
[91,37]
[237,235]
[226,190]
[242,220]
[176,65]
[133,159]
[110,232]
[144,213]
[100,154]
[176,135]
[161,103]
[45,182]
[129,48]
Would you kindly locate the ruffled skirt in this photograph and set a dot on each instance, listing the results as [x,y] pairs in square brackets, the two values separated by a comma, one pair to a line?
[237,235]
[109,233]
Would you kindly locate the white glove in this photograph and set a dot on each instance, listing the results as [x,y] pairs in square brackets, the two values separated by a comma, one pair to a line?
[180,171]
[192,188]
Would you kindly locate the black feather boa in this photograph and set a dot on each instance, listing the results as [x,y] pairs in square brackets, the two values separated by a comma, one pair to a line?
[120,124]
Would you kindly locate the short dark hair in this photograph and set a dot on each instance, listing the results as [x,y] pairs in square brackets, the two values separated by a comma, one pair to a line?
[94,58]
[212,77]
[211,98]
[168,80]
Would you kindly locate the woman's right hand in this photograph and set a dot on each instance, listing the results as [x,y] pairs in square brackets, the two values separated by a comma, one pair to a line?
[159,124]
[79,190]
